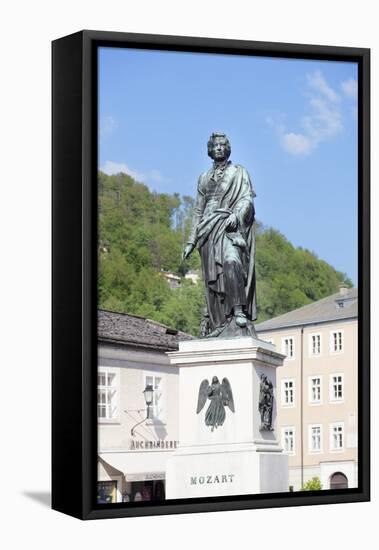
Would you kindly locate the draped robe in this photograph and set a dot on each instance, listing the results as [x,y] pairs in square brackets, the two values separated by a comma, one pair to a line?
[227,257]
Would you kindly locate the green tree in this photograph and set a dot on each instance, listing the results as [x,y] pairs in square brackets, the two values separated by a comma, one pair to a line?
[183,309]
[313,484]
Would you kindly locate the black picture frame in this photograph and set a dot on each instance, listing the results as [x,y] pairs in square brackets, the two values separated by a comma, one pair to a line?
[74,272]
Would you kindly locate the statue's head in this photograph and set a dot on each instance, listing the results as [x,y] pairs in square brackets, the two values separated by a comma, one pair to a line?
[215,380]
[219,146]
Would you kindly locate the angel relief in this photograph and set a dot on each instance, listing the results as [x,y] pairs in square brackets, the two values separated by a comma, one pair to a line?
[220,396]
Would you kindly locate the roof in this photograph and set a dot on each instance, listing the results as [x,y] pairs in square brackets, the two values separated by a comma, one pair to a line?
[342,305]
[123,328]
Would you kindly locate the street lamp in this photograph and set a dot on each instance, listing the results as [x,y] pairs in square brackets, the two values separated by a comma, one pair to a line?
[148,395]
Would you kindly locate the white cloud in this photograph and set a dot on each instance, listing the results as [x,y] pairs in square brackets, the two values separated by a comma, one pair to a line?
[110,168]
[350,88]
[108,125]
[322,121]
[296,144]
[151,176]
[155,175]
[318,83]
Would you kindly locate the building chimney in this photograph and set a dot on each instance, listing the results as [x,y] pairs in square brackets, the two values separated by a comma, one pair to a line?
[343,289]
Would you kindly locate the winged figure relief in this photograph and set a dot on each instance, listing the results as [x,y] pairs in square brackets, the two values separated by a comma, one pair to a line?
[220,396]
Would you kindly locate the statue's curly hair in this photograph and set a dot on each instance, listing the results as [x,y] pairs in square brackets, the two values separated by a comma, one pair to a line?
[218,135]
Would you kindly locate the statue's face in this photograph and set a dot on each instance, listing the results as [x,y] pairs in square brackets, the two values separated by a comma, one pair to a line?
[219,149]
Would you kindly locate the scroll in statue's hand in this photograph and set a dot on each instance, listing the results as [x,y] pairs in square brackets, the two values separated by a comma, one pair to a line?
[232,222]
[187,251]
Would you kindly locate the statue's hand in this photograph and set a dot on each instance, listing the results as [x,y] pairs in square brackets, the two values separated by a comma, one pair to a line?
[187,251]
[232,222]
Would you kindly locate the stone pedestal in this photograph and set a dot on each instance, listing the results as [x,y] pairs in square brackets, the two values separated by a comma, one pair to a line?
[238,457]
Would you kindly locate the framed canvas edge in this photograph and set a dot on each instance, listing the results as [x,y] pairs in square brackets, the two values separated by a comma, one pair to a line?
[86,448]
[67,318]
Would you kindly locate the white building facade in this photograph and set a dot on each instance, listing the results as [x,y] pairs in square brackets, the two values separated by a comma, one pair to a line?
[133,450]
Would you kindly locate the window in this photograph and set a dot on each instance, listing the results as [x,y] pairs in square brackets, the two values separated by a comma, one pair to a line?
[336,387]
[107,395]
[288,439]
[288,347]
[336,341]
[315,344]
[315,438]
[106,492]
[156,410]
[336,436]
[315,389]
[288,393]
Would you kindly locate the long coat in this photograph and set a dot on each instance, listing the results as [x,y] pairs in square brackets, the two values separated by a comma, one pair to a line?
[233,193]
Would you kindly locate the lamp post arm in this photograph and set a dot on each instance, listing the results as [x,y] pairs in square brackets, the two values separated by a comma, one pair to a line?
[141,421]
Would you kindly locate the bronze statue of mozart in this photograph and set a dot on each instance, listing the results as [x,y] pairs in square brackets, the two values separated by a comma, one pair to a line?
[223,229]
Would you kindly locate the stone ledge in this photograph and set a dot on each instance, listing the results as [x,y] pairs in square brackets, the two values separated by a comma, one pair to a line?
[216,350]
[216,448]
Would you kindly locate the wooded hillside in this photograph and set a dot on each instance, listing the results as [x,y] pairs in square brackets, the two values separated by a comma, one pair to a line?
[142,233]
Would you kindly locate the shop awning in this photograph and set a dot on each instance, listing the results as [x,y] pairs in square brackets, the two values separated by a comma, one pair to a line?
[138,465]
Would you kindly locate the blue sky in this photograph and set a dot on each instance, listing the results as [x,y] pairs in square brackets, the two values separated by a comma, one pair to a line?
[291,123]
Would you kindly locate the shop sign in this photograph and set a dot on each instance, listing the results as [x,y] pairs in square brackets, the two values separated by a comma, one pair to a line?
[144,445]
[148,476]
